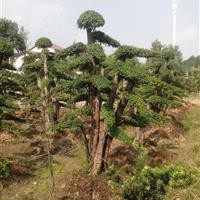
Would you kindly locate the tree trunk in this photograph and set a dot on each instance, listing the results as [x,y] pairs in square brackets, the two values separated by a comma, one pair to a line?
[1,62]
[89,37]
[46,103]
[139,136]
[96,108]
[123,102]
[46,75]
[98,159]
[114,90]
[86,143]
[108,144]
[56,109]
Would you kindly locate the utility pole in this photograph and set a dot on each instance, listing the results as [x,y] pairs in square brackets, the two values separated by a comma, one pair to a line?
[1,9]
[199,28]
[174,9]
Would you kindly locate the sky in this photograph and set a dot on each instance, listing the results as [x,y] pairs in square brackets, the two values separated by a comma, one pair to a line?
[133,22]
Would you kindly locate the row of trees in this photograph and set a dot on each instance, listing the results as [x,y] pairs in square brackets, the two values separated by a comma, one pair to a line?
[12,41]
[192,69]
[113,90]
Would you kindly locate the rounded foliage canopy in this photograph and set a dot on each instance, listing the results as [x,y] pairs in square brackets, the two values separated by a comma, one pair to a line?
[90,20]
[6,49]
[43,42]
[97,52]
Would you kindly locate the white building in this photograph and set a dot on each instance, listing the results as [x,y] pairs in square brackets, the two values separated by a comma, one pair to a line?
[18,62]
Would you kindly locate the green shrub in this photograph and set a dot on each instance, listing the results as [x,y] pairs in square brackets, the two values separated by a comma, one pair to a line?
[114,174]
[150,183]
[4,169]
[180,176]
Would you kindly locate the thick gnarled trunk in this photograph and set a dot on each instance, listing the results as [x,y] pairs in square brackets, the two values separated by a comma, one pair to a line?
[50,105]
[99,156]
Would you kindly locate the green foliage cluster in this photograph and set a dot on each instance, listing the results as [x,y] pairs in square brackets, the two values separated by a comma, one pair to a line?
[97,52]
[192,62]
[43,43]
[126,51]
[102,38]
[90,20]
[4,169]
[15,35]
[74,49]
[180,176]
[9,84]
[72,120]
[192,72]
[151,183]
[6,49]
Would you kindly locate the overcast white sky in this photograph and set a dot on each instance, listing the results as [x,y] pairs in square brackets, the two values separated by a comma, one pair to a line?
[135,22]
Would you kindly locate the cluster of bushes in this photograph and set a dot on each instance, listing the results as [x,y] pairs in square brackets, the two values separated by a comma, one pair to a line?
[151,183]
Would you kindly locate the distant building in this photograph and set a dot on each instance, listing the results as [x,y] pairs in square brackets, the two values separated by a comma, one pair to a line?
[18,62]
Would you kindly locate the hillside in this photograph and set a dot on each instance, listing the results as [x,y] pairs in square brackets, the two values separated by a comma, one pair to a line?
[70,165]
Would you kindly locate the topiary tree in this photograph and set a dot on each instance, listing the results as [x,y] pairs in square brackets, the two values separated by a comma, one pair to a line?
[168,69]
[40,83]
[90,20]
[9,86]
[45,43]
[111,89]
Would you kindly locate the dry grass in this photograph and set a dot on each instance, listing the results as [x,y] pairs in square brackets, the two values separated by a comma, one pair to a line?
[189,151]
[38,187]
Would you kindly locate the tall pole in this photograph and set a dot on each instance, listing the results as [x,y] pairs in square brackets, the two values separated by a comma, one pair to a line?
[199,27]
[1,9]
[174,8]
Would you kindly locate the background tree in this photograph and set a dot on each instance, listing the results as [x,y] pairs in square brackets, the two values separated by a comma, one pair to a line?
[16,35]
[168,69]
[41,73]
[9,86]
[192,71]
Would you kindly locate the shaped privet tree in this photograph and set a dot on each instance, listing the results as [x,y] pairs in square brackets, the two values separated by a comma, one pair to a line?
[9,86]
[44,44]
[41,73]
[110,88]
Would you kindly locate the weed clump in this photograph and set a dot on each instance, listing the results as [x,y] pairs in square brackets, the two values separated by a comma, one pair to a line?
[4,169]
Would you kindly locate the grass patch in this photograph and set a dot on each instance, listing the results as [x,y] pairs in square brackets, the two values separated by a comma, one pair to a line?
[38,187]
[188,154]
